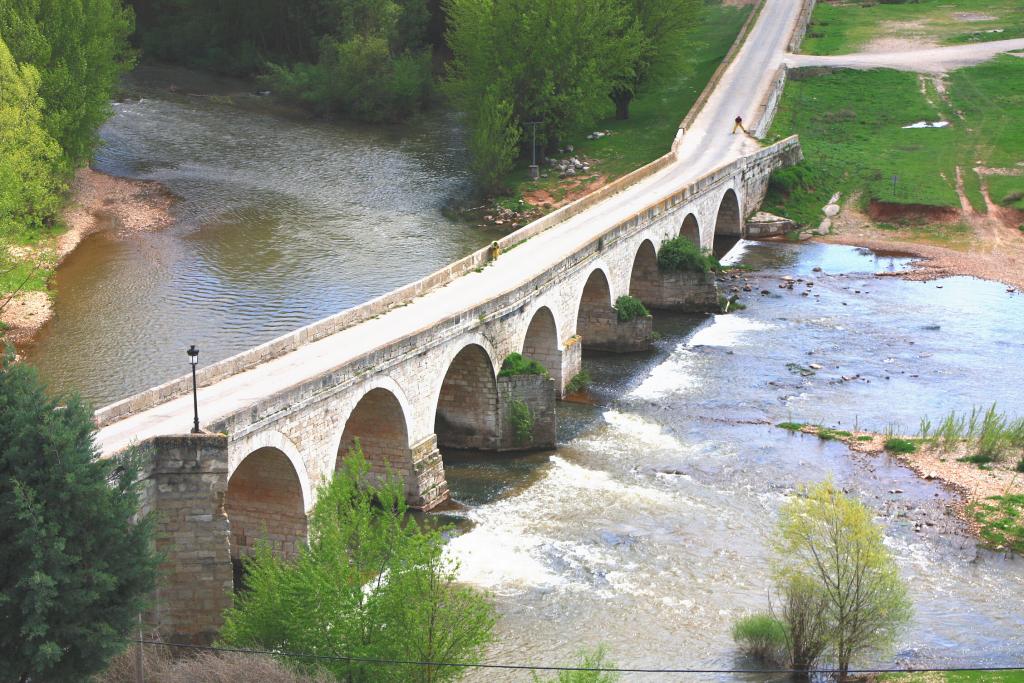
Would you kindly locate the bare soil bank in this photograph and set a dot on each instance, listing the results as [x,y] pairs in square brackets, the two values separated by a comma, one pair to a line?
[98,202]
[971,483]
[992,247]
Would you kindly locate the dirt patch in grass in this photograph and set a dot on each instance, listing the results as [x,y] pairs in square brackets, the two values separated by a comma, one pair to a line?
[912,214]
[573,190]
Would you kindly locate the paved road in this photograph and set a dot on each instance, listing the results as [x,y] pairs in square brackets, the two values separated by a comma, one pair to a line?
[706,146]
[934,60]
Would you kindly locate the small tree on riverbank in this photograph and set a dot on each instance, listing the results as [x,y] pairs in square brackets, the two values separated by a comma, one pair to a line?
[370,584]
[829,544]
[75,570]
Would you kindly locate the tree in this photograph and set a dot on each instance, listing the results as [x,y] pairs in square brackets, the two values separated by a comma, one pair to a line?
[554,60]
[80,48]
[370,584]
[75,568]
[830,542]
[493,141]
[30,181]
[664,26]
[803,610]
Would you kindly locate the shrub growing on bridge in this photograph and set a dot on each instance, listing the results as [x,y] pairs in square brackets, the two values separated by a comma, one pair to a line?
[629,308]
[370,584]
[75,570]
[518,364]
[683,255]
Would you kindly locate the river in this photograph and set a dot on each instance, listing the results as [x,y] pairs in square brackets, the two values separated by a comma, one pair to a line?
[282,221]
[645,530]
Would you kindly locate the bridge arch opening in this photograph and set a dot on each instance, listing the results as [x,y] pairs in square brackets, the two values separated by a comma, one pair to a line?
[467,405]
[596,315]
[264,503]
[378,421]
[690,229]
[728,224]
[644,280]
[542,343]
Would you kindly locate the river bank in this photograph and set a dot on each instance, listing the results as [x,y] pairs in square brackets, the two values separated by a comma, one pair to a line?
[98,202]
[987,246]
[970,483]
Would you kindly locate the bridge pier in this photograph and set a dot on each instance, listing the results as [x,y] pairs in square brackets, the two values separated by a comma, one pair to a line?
[427,488]
[686,292]
[527,414]
[605,332]
[185,480]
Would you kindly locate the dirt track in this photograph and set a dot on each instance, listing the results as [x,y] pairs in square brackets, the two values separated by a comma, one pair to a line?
[935,60]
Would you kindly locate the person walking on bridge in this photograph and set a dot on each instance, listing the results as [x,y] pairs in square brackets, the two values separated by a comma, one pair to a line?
[738,124]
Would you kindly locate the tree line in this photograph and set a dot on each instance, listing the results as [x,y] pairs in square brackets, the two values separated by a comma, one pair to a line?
[59,64]
[504,63]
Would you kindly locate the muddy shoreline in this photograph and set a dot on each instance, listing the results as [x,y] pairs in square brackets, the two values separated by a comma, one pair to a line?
[99,202]
[991,248]
[969,483]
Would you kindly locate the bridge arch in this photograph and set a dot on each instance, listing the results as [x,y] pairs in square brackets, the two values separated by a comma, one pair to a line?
[466,413]
[690,229]
[595,311]
[543,342]
[728,223]
[265,502]
[644,279]
[379,420]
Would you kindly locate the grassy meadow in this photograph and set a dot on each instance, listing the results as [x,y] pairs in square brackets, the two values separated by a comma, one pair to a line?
[850,26]
[851,127]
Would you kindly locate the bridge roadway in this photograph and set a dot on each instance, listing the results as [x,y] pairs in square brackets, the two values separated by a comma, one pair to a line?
[707,145]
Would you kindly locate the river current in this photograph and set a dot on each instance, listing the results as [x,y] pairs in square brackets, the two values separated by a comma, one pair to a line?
[645,530]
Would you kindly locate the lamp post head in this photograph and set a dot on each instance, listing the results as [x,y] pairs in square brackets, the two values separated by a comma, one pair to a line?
[193,355]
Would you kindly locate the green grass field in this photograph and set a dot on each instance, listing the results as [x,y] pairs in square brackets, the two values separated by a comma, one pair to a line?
[851,128]
[958,677]
[654,114]
[843,27]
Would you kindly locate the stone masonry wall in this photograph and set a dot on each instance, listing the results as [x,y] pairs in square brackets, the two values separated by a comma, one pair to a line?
[264,504]
[185,485]
[685,291]
[538,394]
[468,403]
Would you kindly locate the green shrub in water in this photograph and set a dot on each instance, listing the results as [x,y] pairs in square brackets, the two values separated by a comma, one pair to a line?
[630,308]
[761,636]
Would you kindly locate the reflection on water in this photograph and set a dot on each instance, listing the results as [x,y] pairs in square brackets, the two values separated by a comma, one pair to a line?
[282,222]
[645,531]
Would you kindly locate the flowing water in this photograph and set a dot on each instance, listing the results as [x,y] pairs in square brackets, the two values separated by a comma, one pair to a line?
[282,221]
[645,529]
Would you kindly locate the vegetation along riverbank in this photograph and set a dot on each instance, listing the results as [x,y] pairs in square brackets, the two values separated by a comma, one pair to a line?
[978,454]
[929,164]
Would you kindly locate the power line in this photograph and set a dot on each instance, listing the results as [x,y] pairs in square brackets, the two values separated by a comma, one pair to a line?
[527,667]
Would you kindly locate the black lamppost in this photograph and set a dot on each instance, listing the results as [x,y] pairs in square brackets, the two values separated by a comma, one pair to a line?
[193,359]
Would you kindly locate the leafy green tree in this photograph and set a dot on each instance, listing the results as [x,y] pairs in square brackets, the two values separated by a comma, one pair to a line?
[493,141]
[554,60]
[588,659]
[664,26]
[830,541]
[369,584]
[30,184]
[80,48]
[75,570]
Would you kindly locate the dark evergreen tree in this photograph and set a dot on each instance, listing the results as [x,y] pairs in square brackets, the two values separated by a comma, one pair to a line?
[75,567]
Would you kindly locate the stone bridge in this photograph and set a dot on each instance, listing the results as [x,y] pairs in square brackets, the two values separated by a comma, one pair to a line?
[414,374]
[254,474]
